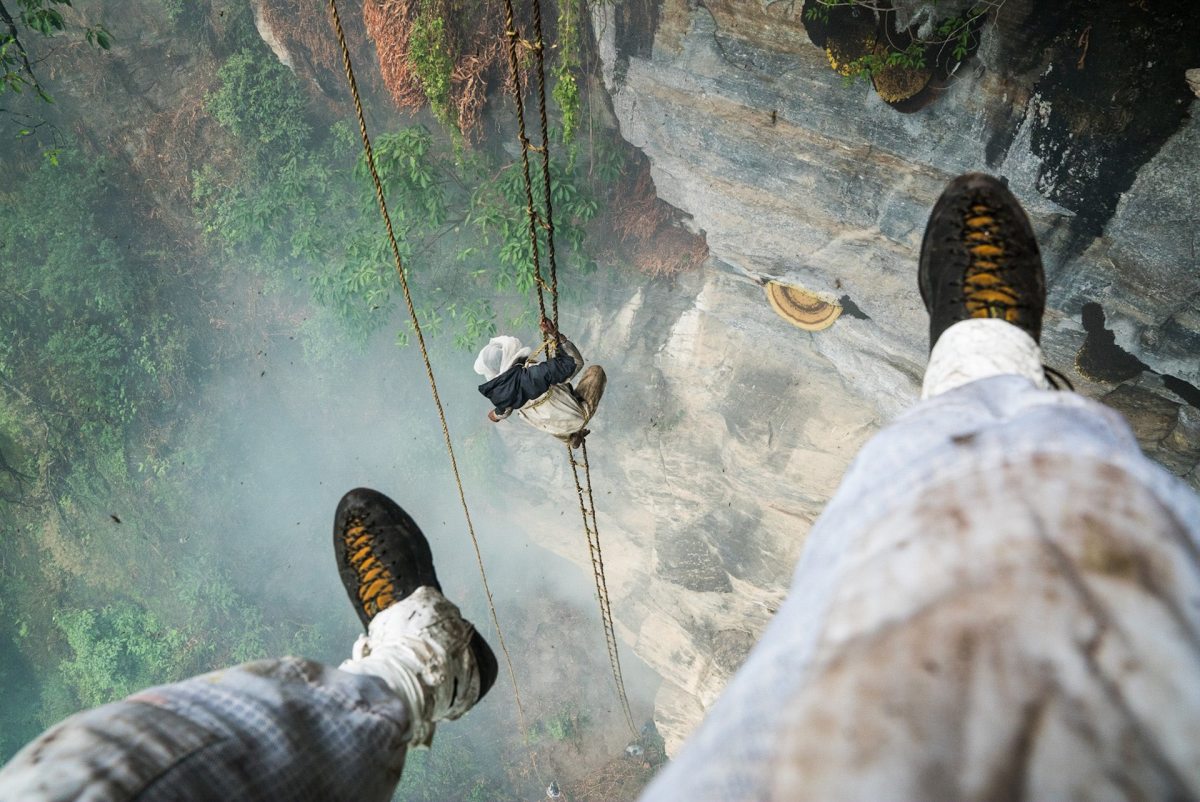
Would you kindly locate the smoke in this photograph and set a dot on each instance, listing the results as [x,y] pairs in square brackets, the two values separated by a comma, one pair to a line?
[235,506]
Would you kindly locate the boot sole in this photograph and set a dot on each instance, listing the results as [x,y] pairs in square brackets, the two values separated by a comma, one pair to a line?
[1000,198]
[394,540]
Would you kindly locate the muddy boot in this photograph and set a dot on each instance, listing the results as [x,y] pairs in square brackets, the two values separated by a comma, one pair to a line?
[982,283]
[417,642]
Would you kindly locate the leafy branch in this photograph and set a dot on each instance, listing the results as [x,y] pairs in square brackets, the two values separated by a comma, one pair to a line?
[956,31]
[16,67]
[23,76]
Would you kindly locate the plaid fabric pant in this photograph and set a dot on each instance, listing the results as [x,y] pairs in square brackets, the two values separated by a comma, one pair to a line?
[268,730]
[836,701]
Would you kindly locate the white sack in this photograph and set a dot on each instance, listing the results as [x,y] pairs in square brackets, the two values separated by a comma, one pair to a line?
[499,355]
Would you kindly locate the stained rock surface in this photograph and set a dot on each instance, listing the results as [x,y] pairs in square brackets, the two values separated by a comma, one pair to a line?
[725,429]
[720,437]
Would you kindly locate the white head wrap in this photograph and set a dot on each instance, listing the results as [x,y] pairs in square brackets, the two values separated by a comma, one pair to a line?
[499,355]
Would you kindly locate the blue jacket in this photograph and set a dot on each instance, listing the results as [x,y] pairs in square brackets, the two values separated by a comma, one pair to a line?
[517,386]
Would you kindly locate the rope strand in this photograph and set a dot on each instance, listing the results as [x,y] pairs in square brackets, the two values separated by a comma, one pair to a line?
[616,659]
[412,312]
[539,47]
[592,531]
[546,222]
[510,29]
[536,220]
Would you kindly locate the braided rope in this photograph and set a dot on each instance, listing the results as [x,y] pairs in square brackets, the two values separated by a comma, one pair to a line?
[412,312]
[510,30]
[592,531]
[539,48]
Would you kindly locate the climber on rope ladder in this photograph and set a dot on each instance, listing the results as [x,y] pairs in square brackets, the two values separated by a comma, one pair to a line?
[541,392]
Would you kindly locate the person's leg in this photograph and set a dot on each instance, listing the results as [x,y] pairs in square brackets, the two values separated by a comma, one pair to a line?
[991,570]
[590,388]
[997,602]
[273,729]
[290,728]
[1016,625]
[569,348]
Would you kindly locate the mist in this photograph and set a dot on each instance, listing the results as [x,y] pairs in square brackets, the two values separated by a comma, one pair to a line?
[294,436]
[261,450]
[204,344]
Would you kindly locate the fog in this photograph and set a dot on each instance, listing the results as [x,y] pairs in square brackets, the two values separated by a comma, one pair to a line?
[295,435]
[279,436]
[203,344]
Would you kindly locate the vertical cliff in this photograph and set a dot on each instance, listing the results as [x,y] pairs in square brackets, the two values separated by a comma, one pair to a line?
[726,427]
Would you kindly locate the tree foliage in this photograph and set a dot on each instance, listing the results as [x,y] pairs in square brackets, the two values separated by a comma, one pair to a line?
[109,334]
[259,101]
[945,37]
[451,771]
[102,340]
[440,53]
[304,209]
[566,67]
[82,357]
[115,651]
[446,54]
[17,75]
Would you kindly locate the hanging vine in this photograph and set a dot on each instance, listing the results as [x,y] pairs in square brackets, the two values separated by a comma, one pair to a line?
[566,67]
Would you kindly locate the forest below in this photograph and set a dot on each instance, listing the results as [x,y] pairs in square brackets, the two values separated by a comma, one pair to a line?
[205,342]
[166,273]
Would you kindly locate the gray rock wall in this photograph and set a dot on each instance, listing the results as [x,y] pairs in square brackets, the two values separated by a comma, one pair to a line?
[725,429]
[721,435]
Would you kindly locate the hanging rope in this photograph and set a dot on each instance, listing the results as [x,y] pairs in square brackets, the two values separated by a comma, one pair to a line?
[588,510]
[510,30]
[592,530]
[537,47]
[412,313]
[539,51]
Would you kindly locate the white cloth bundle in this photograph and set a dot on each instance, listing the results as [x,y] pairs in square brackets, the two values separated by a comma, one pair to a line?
[499,355]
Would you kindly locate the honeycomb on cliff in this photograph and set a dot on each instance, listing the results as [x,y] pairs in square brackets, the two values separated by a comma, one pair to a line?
[803,309]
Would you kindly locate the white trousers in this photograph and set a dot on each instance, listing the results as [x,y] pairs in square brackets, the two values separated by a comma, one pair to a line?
[1002,600]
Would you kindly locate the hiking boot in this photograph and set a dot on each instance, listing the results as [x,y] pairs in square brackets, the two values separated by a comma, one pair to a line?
[382,555]
[979,259]
[417,642]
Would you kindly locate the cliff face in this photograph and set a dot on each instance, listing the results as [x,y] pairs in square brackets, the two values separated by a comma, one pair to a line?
[794,174]
[725,428]
[721,435]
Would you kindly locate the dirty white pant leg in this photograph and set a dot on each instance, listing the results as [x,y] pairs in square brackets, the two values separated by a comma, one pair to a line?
[419,648]
[899,506]
[981,348]
[267,730]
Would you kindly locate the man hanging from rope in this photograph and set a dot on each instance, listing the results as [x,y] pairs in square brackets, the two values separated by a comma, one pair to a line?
[541,392]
